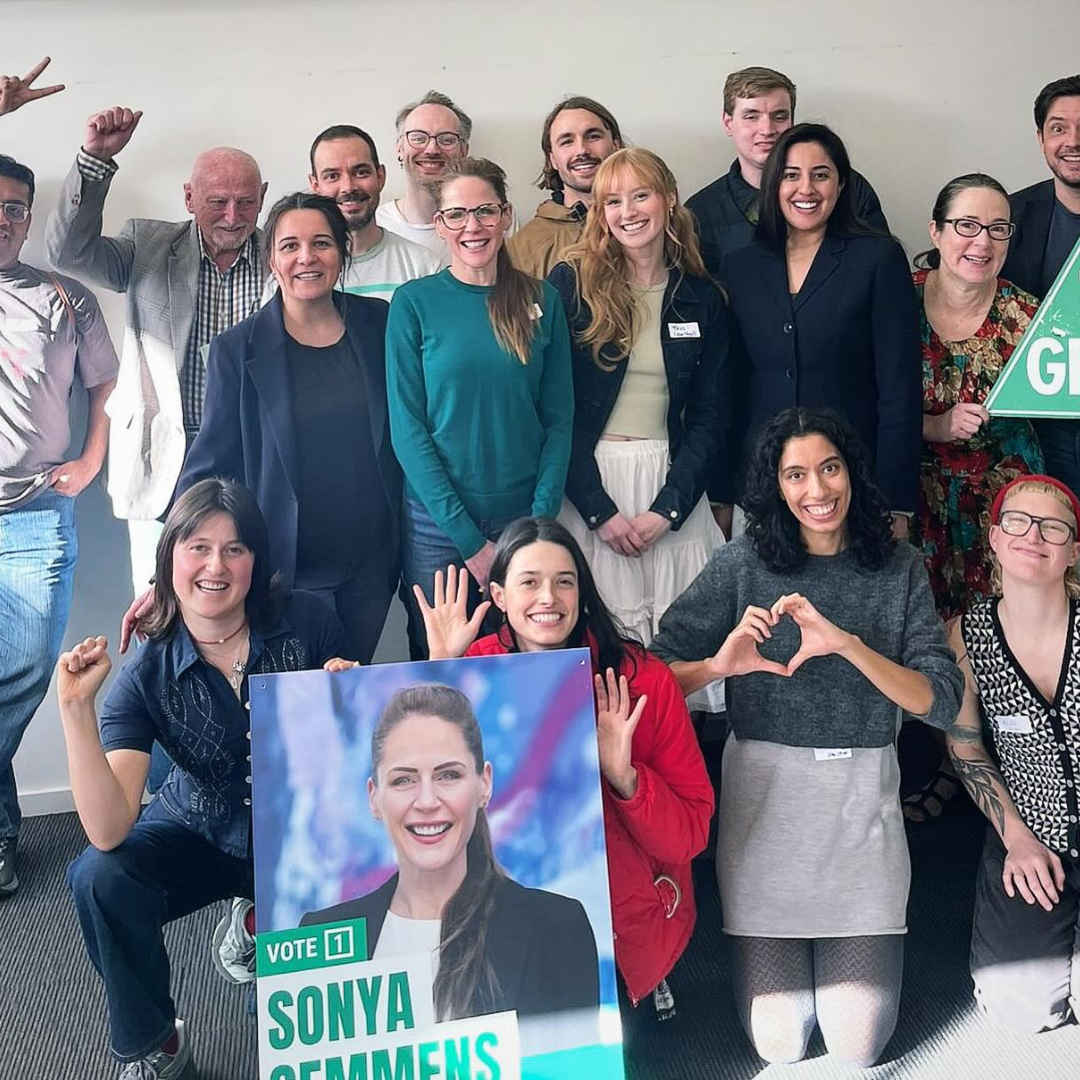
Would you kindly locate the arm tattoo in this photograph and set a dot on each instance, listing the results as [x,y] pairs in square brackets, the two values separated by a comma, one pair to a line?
[963,734]
[980,777]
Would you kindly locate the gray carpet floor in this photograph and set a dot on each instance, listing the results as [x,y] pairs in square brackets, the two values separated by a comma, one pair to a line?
[52,1014]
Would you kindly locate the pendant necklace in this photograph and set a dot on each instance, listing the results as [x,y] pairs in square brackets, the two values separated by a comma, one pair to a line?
[239,666]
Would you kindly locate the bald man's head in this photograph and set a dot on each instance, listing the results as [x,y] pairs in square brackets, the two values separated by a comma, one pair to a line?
[224,195]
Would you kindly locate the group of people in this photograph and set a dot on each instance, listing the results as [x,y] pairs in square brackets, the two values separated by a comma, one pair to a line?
[546,434]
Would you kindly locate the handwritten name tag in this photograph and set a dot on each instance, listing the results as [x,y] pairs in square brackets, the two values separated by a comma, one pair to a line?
[830,754]
[683,329]
[1015,725]
[536,313]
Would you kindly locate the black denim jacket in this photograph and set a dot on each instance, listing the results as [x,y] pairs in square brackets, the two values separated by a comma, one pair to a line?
[699,391]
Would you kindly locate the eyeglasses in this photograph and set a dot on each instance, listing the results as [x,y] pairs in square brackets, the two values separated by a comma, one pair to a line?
[16,212]
[969,228]
[444,140]
[457,217]
[1052,530]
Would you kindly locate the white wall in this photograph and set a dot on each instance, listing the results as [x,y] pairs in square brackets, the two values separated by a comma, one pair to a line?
[921,91]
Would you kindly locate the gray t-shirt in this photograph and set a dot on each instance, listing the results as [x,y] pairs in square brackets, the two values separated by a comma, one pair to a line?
[40,355]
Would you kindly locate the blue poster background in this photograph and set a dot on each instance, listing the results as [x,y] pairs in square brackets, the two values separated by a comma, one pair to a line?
[315,840]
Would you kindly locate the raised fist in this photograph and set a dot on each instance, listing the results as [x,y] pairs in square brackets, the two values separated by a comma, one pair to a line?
[108,132]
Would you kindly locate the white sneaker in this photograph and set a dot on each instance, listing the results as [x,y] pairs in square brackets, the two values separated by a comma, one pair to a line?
[234,948]
[159,1065]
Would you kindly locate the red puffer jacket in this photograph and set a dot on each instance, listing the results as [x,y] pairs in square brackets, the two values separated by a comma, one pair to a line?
[651,837]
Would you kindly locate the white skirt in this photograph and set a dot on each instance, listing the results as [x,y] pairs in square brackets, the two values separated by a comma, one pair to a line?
[639,590]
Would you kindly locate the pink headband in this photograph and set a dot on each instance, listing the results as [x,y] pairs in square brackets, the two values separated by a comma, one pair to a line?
[1038,478]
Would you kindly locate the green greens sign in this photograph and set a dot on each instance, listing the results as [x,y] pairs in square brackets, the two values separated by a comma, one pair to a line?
[1042,377]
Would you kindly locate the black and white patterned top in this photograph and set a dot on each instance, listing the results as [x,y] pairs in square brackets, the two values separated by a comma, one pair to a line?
[1037,742]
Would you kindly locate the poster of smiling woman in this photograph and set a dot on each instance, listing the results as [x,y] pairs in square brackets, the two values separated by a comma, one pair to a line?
[431,876]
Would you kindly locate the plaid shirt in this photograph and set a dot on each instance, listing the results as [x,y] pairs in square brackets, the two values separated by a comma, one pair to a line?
[222,301]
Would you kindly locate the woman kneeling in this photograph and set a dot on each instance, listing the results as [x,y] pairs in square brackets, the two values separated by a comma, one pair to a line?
[216,620]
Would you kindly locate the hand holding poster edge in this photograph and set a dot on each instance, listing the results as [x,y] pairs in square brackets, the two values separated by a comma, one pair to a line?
[1042,377]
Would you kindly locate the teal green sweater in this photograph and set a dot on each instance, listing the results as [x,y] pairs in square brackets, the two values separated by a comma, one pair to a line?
[478,433]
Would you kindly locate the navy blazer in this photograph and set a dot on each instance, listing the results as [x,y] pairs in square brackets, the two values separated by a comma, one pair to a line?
[540,944]
[247,431]
[1031,210]
[849,341]
[699,397]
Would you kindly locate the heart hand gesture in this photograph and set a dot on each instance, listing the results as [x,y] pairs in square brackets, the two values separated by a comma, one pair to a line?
[739,654]
[819,636]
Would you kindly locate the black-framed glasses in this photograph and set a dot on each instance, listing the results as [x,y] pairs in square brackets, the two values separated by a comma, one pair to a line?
[444,140]
[1052,530]
[457,217]
[16,212]
[970,228]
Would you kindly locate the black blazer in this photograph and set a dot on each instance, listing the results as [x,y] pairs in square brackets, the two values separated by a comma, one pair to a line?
[1031,209]
[247,431]
[540,944]
[849,341]
[699,397]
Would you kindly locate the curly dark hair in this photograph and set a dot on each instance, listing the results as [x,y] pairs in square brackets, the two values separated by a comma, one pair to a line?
[772,528]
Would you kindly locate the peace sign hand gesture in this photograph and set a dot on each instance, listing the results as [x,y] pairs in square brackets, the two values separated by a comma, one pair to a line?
[615,727]
[16,92]
[449,629]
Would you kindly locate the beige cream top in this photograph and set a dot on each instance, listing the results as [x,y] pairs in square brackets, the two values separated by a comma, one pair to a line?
[642,405]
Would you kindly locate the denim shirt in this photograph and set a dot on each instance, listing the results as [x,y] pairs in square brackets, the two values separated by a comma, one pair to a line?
[169,693]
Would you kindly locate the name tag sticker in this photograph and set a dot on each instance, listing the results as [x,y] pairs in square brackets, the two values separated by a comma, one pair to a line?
[536,312]
[683,330]
[1015,725]
[821,754]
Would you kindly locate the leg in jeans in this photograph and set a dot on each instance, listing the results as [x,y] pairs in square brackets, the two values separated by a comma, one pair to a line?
[857,994]
[124,897]
[425,549]
[774,994]
[1023,959]
[38,549]
[1060,442]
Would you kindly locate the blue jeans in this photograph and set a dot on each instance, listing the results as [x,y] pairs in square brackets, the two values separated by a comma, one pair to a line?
[124,897]
[425,549]
[1060,441]
[38,549]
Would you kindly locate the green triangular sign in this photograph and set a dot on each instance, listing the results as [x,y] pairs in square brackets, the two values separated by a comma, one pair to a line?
[1042,377]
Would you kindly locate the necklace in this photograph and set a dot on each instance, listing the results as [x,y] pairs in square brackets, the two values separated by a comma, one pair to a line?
[222,640]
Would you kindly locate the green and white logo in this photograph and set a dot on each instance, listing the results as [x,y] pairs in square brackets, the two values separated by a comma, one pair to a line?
[1042,377]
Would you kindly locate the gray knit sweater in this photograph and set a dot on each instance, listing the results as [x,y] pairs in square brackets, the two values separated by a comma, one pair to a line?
[827,702]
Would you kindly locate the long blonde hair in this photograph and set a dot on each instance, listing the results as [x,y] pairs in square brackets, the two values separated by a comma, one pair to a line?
[1039,487]
[599,262]
[514,296]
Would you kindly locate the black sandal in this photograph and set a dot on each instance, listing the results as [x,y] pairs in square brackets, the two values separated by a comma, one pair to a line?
[931,800]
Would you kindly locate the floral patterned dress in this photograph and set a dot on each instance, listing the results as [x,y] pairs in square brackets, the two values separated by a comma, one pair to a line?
[959,480]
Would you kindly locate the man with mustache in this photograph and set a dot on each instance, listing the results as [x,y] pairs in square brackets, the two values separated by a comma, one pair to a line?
[185,282]
[578,134]
[431,134]
[51,330]
[1047,218]
[759,106]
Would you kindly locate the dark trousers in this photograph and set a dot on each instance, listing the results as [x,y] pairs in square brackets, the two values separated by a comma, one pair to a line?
[124,897]
[1060,442]
[361,604]
[1025,961]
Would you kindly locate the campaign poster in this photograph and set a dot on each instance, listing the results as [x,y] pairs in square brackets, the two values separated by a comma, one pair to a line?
[430,873]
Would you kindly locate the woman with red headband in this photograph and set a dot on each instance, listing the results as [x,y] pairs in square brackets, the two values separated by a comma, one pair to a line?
[1018,652]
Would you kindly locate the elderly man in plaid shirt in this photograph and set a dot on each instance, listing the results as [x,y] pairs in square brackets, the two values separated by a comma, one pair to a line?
[185,283]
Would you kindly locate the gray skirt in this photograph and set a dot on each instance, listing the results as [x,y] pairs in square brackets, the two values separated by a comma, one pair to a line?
[811,843]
